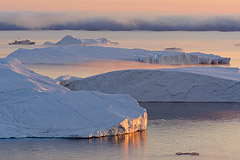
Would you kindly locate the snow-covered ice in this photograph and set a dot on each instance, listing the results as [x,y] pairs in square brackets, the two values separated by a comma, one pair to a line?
[78,54]
[190,84]
[32,105]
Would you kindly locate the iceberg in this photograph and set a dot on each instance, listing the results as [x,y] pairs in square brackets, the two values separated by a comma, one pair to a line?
[70,40]
[48,43]
[190,84]
[78,54]
[98,41]
[33,105]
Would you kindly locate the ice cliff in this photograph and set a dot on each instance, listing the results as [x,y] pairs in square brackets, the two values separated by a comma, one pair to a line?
[193,84]
[77,54]
[32,105]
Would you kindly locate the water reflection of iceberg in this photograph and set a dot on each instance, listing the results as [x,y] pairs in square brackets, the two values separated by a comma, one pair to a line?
[198,111]
[135,139]
[128,143]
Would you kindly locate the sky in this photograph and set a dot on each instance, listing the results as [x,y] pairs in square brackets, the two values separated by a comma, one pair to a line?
[120,14]
[106,6]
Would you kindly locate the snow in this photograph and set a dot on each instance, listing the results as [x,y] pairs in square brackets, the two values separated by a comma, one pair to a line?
[195,84]
[33,105]
[70,40]
[78,54]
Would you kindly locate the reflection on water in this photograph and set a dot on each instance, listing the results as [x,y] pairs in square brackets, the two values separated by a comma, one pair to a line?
[91,68]
[114,147]
[212,129]
[199,111]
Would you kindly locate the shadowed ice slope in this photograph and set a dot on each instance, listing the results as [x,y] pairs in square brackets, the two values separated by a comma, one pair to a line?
[199,84]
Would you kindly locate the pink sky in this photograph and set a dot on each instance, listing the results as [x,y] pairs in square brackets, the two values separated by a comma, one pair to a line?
[105,6]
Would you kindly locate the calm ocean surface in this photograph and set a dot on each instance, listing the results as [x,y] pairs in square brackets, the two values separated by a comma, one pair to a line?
[212,129]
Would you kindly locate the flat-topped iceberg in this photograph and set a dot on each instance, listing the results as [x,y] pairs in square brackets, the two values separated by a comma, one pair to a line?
[195,84]
[78,54]
[32,105]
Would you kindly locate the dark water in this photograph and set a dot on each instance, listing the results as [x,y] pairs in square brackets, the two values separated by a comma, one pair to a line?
[212,129]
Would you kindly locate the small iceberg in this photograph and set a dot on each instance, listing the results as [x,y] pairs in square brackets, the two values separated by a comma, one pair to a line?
[237,45]
[173,49]
[70,40]
[33,105]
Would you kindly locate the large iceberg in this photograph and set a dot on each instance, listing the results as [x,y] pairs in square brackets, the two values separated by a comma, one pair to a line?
[77,54]
[32,105]
[191,84]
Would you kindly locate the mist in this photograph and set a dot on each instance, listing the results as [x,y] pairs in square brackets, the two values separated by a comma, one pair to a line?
[87,21]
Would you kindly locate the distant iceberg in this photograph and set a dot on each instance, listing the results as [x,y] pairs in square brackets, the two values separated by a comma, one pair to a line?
[98,41]
[35,106]
[190,84]
[70,40]
[78,54]
[48,43]
[173,49]
[237,45]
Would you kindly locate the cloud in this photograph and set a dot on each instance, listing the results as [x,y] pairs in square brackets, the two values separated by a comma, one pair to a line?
[84,21]
[7,26]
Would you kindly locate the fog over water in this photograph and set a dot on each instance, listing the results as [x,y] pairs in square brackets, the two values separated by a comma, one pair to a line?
[116,22]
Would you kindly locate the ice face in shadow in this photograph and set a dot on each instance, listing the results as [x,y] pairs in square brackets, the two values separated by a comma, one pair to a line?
[196,84]
[78,54]
[35,106]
